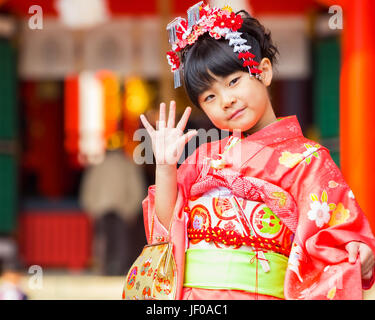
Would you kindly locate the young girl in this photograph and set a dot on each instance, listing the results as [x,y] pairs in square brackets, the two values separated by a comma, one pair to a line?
[263,214]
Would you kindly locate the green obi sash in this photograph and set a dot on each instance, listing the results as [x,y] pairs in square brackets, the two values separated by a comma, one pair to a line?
[234,270]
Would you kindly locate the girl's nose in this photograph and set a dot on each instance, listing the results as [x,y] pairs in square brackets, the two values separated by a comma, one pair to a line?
[228,101]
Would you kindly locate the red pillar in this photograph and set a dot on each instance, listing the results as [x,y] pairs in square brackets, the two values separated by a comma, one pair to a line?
[357,105]
[357,101]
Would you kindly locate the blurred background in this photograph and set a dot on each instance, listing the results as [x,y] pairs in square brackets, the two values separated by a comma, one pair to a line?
[74,77]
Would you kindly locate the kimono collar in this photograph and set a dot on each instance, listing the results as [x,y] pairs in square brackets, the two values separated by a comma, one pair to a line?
[284,128]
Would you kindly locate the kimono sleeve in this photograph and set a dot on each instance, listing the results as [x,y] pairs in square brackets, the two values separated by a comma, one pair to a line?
[329,218]
[186,175]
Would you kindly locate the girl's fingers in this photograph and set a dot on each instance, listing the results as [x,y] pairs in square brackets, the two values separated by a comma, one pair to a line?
[367,257]
[367,270]
[184,119]
[367,275]
[352,248]
[172,114]
[147,125]
[187,137]
[161,122]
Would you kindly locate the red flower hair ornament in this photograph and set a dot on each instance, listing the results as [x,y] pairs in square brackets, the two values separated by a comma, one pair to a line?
[218,23]
[173,60]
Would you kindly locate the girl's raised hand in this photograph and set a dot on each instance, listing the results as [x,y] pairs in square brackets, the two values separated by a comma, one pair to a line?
[168,141]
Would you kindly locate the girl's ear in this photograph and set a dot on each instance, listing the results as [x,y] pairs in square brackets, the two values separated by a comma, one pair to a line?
[266,75]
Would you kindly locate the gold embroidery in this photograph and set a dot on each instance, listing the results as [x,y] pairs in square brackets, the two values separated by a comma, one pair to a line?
[281,197]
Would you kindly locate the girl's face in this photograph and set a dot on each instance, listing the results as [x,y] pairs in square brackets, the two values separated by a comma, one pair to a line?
[240,102]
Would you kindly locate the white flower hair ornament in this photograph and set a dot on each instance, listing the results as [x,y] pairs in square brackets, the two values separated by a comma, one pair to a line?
[218,23]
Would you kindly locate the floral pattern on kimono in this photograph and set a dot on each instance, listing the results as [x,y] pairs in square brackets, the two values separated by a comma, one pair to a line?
[329,218]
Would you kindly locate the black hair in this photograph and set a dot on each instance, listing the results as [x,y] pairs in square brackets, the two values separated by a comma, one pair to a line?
[208,55]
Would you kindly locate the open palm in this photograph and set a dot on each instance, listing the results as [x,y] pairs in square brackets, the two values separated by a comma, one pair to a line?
[168,141]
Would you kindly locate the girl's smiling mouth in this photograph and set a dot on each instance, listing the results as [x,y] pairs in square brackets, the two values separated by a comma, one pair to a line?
[238,113]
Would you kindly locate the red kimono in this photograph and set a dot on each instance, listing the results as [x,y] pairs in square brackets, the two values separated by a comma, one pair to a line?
[297,179]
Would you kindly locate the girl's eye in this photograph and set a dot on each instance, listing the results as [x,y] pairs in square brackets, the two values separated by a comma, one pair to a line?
[234,81]
[208,98]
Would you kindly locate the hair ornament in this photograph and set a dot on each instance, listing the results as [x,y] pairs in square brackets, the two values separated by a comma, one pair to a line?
[193,14]
[250,63]
[218,23]
[237,41]
[246,55]
[173,60]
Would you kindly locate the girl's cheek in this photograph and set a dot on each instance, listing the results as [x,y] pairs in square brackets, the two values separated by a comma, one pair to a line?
[219,123]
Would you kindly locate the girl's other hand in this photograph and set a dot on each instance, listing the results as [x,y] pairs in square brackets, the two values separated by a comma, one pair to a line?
[168,141]
[366,257]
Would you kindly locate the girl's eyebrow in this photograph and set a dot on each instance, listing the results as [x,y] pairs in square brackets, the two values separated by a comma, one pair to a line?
[218,79]
[233,75]
[225,79]
[205,94]
[215,77]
